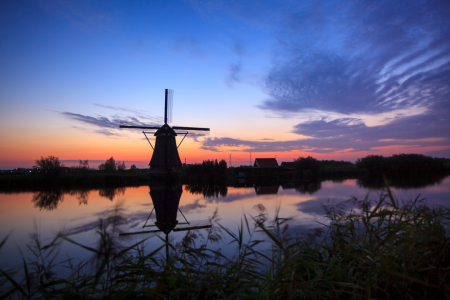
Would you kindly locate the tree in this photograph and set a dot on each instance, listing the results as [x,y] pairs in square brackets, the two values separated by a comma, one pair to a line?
[108,166]
[121,166]
[49,166]
[308,163]
[84,165]
[133,167]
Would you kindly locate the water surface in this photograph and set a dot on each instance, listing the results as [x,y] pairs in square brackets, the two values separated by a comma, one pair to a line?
[77,213]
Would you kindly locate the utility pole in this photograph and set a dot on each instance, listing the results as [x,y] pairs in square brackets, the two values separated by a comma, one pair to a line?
[230,160]
[250,159]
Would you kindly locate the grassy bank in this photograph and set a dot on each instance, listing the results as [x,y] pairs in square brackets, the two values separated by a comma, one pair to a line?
[387,249]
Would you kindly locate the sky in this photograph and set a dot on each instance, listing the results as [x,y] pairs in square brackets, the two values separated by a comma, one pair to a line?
[328,79]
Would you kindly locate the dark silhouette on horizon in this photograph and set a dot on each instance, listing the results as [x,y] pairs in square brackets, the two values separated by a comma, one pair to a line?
[165,156]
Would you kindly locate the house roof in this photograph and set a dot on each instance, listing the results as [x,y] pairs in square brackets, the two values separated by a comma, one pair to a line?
[265,162]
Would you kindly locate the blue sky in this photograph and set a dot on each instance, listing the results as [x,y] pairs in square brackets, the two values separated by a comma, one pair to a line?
[331,79]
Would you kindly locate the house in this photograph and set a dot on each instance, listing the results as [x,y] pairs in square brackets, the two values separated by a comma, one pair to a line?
[265,163]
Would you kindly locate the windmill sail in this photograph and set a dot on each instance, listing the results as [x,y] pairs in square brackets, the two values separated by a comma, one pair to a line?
[168,106]
[189,128]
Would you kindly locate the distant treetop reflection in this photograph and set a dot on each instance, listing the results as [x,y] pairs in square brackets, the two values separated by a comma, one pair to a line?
[111,193]
[48,199]
[82,196]
[403,182]
[207,190]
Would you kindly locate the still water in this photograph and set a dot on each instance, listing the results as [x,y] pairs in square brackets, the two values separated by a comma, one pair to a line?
[77,213]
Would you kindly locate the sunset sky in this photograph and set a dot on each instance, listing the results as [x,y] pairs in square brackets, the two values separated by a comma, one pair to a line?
[330,79]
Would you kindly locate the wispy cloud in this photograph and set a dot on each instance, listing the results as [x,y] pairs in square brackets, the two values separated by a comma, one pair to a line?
[350,134]
[235,70]
[108,125]
[361,58]
[188,45]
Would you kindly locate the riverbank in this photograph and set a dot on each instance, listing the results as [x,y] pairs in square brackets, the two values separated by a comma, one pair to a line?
[241,176]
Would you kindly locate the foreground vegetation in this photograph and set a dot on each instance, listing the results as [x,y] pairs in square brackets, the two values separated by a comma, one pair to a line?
[385,250]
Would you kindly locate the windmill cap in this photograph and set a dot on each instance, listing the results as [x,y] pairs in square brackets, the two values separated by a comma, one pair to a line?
[165,129]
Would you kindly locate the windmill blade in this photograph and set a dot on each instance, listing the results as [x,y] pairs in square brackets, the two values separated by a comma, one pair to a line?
[168,106]
[193,133]
[190,128]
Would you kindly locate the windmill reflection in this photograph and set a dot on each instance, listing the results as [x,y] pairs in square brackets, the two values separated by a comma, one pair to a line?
[166,201]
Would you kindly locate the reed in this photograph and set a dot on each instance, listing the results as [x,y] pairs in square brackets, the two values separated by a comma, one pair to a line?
[388,249]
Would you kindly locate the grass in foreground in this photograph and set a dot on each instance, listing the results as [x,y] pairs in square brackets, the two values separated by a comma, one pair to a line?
[385,250]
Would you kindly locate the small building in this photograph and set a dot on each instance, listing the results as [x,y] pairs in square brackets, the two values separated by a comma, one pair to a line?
[265,163]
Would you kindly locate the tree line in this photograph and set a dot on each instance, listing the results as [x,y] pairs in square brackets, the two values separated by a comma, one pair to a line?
[52,166]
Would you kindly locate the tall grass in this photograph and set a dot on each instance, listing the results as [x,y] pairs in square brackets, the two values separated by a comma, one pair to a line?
[388,249]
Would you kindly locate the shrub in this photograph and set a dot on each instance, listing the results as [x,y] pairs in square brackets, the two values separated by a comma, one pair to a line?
[84,165]
[49,166]
[108,166]
[121,166]
[401,165]
[308,163]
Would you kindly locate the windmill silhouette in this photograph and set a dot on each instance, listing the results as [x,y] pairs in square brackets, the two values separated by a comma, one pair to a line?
[165,156]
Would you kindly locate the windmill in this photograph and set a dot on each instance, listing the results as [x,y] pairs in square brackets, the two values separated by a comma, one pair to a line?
[165,156]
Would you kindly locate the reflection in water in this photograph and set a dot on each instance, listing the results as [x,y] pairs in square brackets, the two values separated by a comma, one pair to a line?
[82,196]
[111,193]
[267,190]
[405,182]
[47,200]
[207,190]
[166,201]
[308,187]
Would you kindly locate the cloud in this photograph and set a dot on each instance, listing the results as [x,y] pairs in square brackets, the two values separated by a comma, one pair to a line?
[361,58]
[351,59]
[351,135]
[188,45]
[214,144]
[234,73]
[193,206]
[139,114]
[108,126]
[82,15]
[238,48]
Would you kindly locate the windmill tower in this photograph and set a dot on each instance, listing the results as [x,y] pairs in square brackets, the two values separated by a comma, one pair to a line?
[165,156]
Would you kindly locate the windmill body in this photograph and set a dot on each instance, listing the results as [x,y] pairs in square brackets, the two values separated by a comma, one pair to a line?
[165,156]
